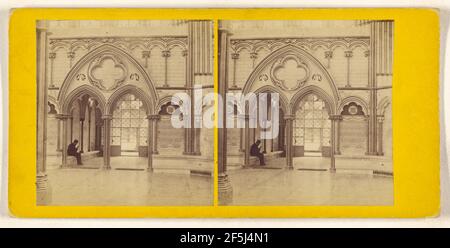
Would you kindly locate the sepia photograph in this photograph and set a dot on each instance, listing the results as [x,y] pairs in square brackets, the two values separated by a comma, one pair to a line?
[308,113]
[109,93]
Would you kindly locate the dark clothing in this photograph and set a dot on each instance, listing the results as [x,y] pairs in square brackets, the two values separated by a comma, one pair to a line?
[73,151]
[254,151]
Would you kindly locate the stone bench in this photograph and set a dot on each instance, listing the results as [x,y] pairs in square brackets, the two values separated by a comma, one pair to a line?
[236,161]
[71,160]
[254,161]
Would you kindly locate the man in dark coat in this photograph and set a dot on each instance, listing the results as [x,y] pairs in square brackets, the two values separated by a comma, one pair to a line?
[72,150]
[254,151]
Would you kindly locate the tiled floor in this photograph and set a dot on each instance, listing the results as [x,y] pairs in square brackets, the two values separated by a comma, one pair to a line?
[90,186]
[278,187]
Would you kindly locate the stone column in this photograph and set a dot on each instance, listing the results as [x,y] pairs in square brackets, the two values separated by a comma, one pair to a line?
[328,57]
[58,139]
[380,119]
[235,57]
[367,119]
[42,194]
[334,119]
[338,134]
[196,134]
[81,135]
[146,56]
[89,130]
[70,56]
[247,140]
[348,55]
[52,57]
[166,55]
[107,141]
[224,185]
[152,119]
[155,134]
[289,136]
[64,119]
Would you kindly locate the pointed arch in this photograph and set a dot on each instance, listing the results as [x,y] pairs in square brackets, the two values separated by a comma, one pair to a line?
[284,102]
[382,105]
[356,100]
[129,89]
[105,48]
[311,89]
[82,90]
[291,49]
[164,100]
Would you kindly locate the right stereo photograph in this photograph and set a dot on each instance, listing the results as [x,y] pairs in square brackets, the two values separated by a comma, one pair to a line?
[306,118]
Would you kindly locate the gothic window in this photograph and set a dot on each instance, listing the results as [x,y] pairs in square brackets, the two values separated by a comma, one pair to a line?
[129,124]
[312,124]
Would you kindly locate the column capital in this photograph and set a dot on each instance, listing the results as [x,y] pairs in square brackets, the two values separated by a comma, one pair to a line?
[335,117]
[52,55]
[145,54]
[243,116]
[328,54]
[289,117]
[106,117]
[235,55]
[253,55]
[71,55]
[380,118]
[184,53]
[165,53]
[153,117]
[62,116]
[367,53]
[348,54]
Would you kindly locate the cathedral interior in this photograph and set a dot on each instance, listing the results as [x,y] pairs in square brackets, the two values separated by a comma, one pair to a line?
[110,85]
[334,142]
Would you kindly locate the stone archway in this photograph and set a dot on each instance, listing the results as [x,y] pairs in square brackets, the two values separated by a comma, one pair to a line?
[92,76]
[307,76]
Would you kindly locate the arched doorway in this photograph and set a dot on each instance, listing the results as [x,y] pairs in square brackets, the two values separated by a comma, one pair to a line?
[80,119]
[312,128]
[129,127]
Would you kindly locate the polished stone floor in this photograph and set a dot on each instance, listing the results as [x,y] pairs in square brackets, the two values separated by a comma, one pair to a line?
[310,184]
[126,184]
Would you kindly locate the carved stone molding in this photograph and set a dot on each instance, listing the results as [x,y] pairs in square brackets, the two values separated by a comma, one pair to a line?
[328,43]
[107,80]
[281,64]
[126,43]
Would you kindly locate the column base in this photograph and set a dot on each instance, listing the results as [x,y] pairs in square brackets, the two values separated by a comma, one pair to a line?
[43,192]
[371,153]
[337,153]
[225,190]
[106,167]
[333,170]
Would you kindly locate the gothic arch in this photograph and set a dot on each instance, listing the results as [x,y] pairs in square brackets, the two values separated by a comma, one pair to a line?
[82,90]
[382,105]
[164,100]
[86,59]
[271,89]
[356,100]
[311,89]
[286,50]
[129,89]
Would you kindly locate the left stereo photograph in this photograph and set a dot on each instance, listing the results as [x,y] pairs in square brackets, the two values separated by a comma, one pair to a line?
[117,113]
